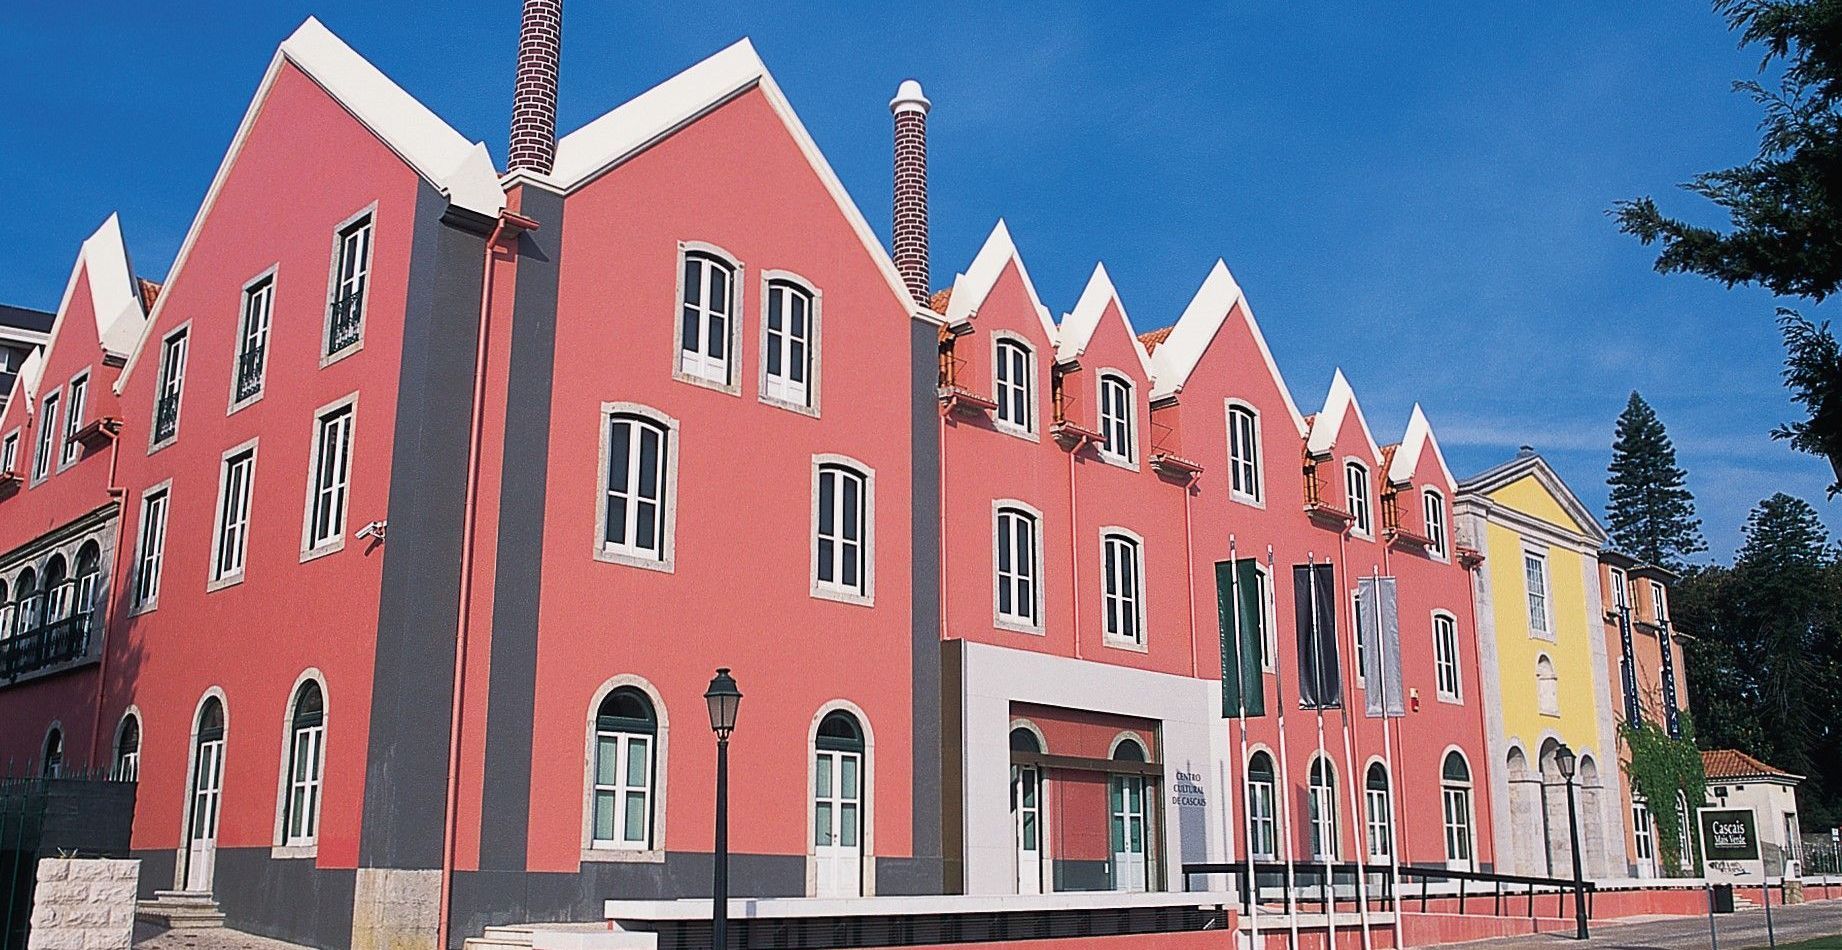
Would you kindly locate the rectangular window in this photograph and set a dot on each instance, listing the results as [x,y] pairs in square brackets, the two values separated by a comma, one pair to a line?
[1445,656]
[706,319]
[9,453]
[1659,604]
[151,549]
[1264,818]
[1535,573]
[304,784]
[1356,490]
[634,525]
[1116,418]
[1375,807]
[1244,453]
[1356,619]
[788,356]
[1122,597]
[622,792]
[166,391]
[330,477]
[1434,505]
[253,338]
[1643,837]
[1457,802]
[345,318]
[1016,558]
[840,534]
[1620,591]
[73,419]
[1015,387]
[47,437]
[232,541]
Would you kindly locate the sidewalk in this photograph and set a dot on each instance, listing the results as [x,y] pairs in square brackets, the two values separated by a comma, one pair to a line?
[1736,931]
[151,937]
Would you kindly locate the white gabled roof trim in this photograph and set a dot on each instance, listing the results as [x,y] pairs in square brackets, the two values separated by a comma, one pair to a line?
[1219,297]
[1329,421]
[461,170]
[1078,326]
[25,385]
[1478,486]
[972,287]
[646,119]
[113,297]
[1418,439]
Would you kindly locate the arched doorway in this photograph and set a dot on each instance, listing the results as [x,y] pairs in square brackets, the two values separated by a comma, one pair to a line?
[1027,810]
[1129,824]
[838,796]
[1526,850]
[205,798]
[1555,827]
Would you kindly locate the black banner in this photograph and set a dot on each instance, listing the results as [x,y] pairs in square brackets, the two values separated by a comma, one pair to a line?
[1314,592]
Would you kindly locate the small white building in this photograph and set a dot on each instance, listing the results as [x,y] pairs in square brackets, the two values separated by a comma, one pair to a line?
[1737,780]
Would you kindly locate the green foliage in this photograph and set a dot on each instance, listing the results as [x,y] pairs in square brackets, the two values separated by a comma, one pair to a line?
[1650,512]
[1660,769]
[1813,372]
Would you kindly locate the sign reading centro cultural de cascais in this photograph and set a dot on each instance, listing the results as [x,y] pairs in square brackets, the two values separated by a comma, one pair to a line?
[1730,842]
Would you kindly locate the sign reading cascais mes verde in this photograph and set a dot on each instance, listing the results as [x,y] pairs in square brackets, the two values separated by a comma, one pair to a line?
[1729,834]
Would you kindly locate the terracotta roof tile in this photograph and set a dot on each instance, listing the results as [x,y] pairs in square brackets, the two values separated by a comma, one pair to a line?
[150,292]
[1732,764]
[938,302]
[1151,338]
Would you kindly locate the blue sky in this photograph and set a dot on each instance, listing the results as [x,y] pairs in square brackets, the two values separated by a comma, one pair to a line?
[1415,194]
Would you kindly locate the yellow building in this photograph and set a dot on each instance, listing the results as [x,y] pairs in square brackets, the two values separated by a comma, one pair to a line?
[1541,650]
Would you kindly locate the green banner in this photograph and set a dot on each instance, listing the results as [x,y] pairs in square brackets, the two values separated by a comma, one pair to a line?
[1240,605]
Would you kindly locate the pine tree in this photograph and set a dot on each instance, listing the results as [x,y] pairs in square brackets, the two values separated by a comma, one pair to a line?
[1651,512]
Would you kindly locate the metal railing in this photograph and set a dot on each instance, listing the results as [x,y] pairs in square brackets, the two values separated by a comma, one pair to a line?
[166,416]
[1317,888]
[249,372]
[52,644]
[348,319]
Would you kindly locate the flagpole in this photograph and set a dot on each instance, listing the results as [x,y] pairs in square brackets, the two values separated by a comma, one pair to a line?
[1252,897]
[1282,790]
[1311,792]
[1394,851]
[1356,812]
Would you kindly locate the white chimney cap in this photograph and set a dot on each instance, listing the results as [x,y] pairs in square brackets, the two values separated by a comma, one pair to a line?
[908,97]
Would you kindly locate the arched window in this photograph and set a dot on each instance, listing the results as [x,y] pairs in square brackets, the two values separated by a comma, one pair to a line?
[89,574]
[1122,591]
[838,796]
[1547,687]
[637,478]
[1244,453]
[841,539]
[1356,492]
[54,753]
[1684,845]
[206,797]
[26,600]
[1118,413]
[1322,810]
[1643,838]
[1375,807]
[306,762]
[1262,813]
[1024,740]
[1445,656]
[1455,790]
[626,741]
[1014,377]
[706,326]
[128,750]
[1016,560]
[57,589]
[789,351]
[1433,505]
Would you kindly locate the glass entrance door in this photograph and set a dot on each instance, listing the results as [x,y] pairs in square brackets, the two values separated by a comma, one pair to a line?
[838,823]
[1026,815]
[1128,832]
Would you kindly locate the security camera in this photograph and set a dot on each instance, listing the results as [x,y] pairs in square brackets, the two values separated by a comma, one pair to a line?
[373,530]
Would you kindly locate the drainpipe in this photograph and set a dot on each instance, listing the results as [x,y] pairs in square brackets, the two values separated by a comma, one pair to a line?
[102,667]
[1189,557]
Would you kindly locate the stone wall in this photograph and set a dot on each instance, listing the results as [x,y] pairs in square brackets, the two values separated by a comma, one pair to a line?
[84,904]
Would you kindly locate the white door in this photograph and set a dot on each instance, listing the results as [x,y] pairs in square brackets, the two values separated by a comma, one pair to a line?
[1027,817]
[1128,835]
[207,783]
[838,823]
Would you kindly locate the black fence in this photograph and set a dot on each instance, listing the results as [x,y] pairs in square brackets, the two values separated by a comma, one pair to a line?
[74,815]
[1318,888]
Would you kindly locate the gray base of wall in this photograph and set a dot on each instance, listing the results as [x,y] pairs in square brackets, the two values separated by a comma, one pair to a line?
[287,899]
[1082,875]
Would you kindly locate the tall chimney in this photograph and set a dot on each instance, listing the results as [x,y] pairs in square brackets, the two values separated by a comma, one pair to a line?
[540,43]
[910,227]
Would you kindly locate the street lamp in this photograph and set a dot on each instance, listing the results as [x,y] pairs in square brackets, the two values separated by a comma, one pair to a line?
[1564,758]
[723,698]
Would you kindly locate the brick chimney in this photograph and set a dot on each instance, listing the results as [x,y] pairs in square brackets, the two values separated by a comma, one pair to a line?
[540,42]
[910,227]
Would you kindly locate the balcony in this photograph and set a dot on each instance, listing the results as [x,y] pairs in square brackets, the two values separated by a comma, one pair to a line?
[166,417]
[348,320]
[53,644]
[249,373]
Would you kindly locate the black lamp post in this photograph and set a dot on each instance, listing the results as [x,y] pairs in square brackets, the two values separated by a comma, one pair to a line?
[723,698]
[1564,758]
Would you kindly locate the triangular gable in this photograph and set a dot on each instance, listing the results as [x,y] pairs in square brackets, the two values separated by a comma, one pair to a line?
[1407,455]
[972,287]
[460,170]
[115,300]
[646,119]
[1219,297]
[1078,326]
[1327,422]
[25,384]
[1527,482]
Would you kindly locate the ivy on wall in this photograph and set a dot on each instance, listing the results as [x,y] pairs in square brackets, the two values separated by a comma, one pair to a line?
[1660,769]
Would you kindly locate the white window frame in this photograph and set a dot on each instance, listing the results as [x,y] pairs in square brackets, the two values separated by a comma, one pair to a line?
[865,593]
[342,411]
[1643,837]
[335,283]
[1433,512]
[1659,603]
[652,848]
[805,398]
[1448,670]
[222,528]
[1360,499]
[169,376]
[1032,621]
[1621,590]
[1111,535]
[288,844]
[1269,608]
[76,397]
[1110,380]
[1465,794]
[1264,821]
[1022,392]
[126,767]
[1362,679]
[1377,835]
[1538,604]
[150,547]
[702,370]
[258,288]
[45,447]
[1246,476]
[9,453]
[665,558]
[1547,686]
[1321,823]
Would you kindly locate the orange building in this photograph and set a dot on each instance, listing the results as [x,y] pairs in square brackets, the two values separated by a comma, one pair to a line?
[1649,684]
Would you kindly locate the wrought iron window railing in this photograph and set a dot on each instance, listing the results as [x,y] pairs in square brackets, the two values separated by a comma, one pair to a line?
[347,321]
[249,372]
[166,416]
[47,645]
